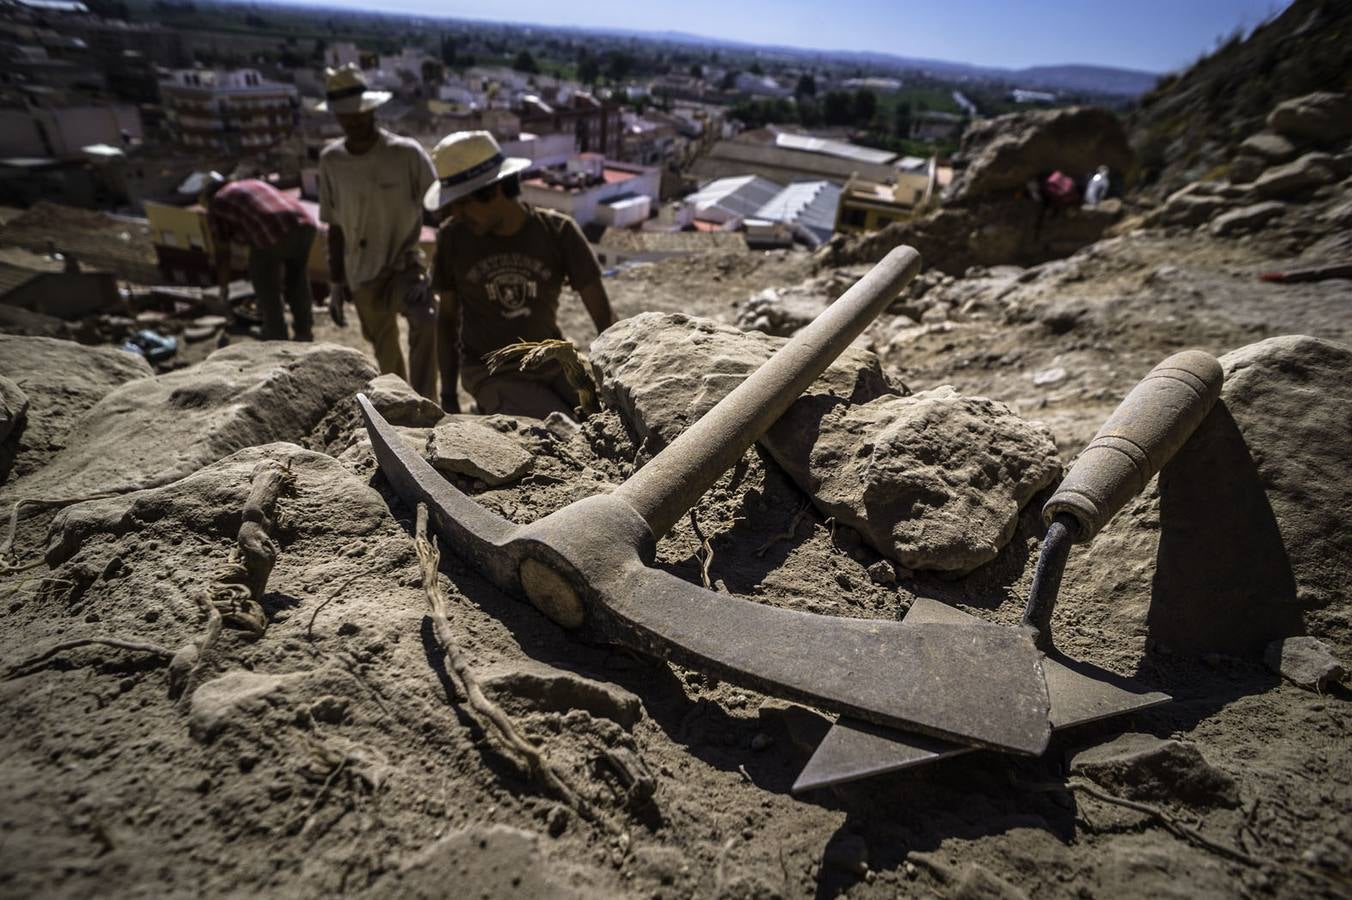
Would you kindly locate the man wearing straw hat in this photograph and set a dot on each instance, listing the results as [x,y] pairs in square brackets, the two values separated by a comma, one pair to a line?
[500,265]
[370,185]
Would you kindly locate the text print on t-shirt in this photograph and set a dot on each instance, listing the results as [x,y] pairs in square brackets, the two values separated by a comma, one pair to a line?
[511,280]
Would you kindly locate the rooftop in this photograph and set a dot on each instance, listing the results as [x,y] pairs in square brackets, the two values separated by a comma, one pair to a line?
[121,245]
[736,197]
[841,149]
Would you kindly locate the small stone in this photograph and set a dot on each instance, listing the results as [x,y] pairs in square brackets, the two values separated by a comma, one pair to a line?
[534,686]
[848,853]
[557,821]
[1048,377]
[396,400]
[347,629]
[844,581]
[979,883]
[883,573]
[462,446]
[1144,767]
[227,697]
[330,710]
[1305,662]
[760,741]
[1246,218]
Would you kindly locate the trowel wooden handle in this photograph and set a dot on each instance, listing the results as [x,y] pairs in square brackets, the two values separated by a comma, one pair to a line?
[1142,434]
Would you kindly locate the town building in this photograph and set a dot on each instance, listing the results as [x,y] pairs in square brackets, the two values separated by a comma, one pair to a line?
[867,205]
[804,211]
[37,122]
[596,124]
[622,245]
[786,157]
[596,191]
[935,125]
[118,244]
[724,204]
[236,111]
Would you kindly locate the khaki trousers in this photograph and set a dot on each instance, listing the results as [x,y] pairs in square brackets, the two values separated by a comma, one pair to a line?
[379,307]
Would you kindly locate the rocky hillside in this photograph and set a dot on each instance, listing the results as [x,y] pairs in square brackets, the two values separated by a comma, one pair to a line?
[1189,127]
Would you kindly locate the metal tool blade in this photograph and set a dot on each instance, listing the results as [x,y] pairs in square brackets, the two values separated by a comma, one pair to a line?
[972,682]
[1079,692]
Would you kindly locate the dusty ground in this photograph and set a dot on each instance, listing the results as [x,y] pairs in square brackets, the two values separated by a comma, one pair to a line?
[357,774]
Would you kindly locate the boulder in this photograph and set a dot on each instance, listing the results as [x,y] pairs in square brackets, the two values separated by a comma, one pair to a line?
[1000,155]
[1244,169]
[1318,118]
[662,371]
[1188,210]
[156,430]
[1245,539]
[13,413]
[935,480]
[1144,767]
[463,446]
[1295,178]
[396,400]
[533,686]
[1269,147]
[1305,662]
[62,380]
[1246,218]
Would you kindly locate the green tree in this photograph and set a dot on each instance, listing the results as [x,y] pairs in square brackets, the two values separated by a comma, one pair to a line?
[901,120]
[588,69]
[729,81]
[448,51]
[618,65]
[838,108]
[807,86]
[524,62]
[697,71]
[864,105]
[756,69]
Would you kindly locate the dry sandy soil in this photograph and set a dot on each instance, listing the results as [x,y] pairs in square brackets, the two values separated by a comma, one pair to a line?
[354,768]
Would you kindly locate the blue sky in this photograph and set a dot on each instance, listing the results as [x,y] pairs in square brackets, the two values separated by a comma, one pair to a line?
[1155,35]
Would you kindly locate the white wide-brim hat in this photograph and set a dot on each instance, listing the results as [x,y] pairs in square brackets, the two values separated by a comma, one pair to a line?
[346,92]
[466,161]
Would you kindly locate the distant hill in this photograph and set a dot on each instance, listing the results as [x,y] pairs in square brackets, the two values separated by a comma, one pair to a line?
[1096,79]
[1188,127]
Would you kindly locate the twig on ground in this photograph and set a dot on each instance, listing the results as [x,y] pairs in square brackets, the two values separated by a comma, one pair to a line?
[33,663]
[457,662]
[705,553]
[1170,822]
[790,533]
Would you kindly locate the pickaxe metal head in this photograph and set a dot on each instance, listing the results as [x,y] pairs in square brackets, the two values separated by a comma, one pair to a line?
[588,565]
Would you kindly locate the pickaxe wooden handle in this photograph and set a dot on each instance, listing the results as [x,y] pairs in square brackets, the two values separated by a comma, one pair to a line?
[587,565]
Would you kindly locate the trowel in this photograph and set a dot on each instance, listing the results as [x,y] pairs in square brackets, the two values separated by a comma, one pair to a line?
[1151,424]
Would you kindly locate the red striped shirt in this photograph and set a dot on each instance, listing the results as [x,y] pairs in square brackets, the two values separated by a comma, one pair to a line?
[255,213]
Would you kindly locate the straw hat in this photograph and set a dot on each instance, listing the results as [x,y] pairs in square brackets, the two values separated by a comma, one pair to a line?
[466,161]
[346,91]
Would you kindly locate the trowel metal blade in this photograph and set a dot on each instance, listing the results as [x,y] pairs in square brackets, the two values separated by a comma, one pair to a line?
[853,749]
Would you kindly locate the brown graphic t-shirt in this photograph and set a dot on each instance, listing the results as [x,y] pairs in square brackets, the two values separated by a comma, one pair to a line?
[508,287]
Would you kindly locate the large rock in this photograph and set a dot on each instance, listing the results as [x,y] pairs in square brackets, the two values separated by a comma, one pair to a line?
[1318,118]
[935,480]
[1003,153]
[1295,178]
[62,380]
[1246,539]
[13,412]
[1246,218]
[395,399]
[156,430]
[1269,147]
[225,698]
[1144,767]
[662,371]
[462,446]
[1189,209]
[1304,662]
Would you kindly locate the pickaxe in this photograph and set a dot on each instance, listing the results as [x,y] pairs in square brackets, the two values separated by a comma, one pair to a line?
[587,566]
[1154,420]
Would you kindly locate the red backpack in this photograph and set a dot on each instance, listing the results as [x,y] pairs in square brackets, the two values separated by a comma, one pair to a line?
[1059,190]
